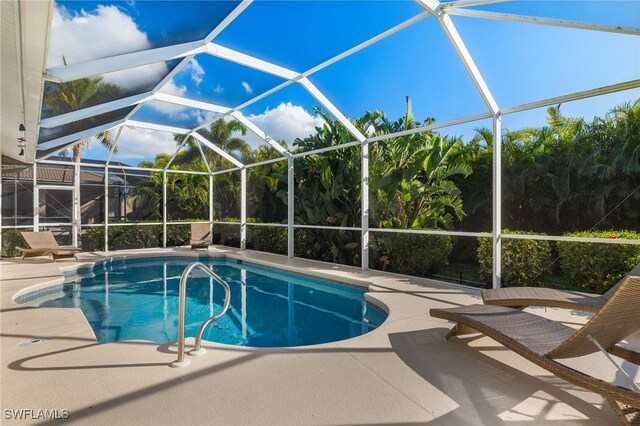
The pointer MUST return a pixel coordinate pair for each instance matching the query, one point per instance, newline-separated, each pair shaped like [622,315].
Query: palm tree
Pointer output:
[77,94]
[220,133]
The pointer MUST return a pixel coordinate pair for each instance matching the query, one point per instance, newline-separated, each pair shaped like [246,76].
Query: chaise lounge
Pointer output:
[521,297]
[543,341]
[200,235]
[44,243]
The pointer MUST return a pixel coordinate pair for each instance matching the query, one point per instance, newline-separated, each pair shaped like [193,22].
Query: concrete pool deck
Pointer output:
[404,372]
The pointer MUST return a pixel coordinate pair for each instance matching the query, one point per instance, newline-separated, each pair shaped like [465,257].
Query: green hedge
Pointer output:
[524,262]
[596,267]
[133,236]
[123,237]
[272,239]
[411,254]
[227,234]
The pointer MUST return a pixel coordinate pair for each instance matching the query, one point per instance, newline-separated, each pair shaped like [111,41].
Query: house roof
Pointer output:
[53,173]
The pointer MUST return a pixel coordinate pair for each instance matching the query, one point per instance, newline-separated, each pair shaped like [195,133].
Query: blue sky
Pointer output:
[520,62]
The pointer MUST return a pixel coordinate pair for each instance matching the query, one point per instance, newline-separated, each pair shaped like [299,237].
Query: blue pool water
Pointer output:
[138,300]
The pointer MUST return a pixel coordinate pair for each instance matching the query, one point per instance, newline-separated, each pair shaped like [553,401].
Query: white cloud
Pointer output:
[218,88]
[108,31]
[197,72]
[247,87]
[171,88]
[136,145]
[170,110]
[180,112]
[285,122]
[205,116]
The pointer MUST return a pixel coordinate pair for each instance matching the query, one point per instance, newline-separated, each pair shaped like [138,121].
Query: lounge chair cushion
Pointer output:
[538,296]
[534,332]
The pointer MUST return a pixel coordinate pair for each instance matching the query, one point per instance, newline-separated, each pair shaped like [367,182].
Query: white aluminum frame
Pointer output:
[187,51]
[257,64]
[290,207]
[364,205]
[497,202]
[553,22]
[243,208]
[106,207]
[164,208]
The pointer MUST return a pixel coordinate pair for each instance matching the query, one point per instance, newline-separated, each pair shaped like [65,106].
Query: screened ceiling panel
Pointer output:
[219,81]
[135,146]
[49,134]
[86,30]
[520,63]
[613,12]
[168,114]
[286,116]
[418,62]
[60,98]
[300,35]
[532,62]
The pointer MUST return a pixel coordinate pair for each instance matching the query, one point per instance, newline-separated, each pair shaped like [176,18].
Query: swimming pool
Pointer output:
[137,299]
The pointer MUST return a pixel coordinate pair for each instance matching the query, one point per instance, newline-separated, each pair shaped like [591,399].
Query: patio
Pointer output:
[401,373]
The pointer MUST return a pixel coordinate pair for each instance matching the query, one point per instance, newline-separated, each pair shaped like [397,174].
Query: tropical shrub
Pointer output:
[596,267]
[411,254]
[93,238]
[328,245]
[10,239]
[524,262]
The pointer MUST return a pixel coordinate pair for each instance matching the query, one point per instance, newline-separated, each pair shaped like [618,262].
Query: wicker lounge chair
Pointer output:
[200,235]
[43,243]
[521,297]
[543,341]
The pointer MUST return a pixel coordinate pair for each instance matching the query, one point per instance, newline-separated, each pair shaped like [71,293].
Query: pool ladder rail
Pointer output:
[198,349]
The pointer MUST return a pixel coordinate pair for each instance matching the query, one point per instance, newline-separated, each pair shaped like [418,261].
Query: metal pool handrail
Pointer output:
[181,361]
